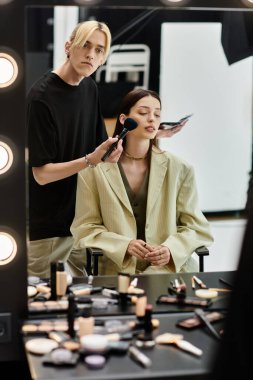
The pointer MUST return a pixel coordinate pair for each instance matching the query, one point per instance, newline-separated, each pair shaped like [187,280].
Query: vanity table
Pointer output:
[168,361]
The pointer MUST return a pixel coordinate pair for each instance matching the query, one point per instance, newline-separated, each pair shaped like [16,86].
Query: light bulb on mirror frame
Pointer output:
[174,2]
[6,157]
[8,248]
[8,70]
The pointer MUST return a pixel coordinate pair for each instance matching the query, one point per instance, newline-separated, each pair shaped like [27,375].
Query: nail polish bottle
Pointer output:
[61,279]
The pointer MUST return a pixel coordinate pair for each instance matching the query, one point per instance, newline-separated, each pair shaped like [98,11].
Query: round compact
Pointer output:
[206,293]
[95,361]
[94,343]
[41,346]
[61,355]
[31,290]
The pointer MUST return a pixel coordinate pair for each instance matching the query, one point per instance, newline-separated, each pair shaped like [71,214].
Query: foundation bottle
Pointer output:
[61,279]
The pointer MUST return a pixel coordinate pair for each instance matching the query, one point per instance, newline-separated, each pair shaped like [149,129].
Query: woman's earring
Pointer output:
[67,54]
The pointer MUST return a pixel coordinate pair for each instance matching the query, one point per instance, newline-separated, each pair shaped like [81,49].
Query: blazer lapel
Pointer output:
[157,173]
[113,176]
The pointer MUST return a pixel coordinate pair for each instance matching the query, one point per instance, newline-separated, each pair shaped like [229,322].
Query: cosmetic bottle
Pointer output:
[61,279]
[140,307]
[123,285]
[145,339]
[86,323]
[53,268]
[71,315]
[123,282]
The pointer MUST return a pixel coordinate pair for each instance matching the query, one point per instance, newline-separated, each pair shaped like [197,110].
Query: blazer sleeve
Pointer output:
[193,229]
[88,229]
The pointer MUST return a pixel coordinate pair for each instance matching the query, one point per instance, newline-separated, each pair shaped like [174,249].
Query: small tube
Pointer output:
[139,357]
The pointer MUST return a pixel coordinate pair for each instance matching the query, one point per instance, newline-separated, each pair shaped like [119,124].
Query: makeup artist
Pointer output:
[142,211]
[65,126]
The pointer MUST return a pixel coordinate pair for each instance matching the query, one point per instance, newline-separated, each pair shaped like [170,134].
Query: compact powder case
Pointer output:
[41,346]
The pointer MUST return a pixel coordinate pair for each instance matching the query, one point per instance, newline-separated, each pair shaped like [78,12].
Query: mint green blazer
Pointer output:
[104,217]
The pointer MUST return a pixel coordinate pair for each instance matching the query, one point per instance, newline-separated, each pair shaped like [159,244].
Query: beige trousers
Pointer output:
[42,252]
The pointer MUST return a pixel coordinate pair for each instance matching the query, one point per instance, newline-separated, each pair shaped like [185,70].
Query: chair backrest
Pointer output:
[127,58]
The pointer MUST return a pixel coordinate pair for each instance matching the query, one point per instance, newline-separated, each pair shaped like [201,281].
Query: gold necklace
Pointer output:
[134,158]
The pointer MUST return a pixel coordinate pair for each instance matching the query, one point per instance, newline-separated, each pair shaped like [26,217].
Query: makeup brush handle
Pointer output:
[187,346]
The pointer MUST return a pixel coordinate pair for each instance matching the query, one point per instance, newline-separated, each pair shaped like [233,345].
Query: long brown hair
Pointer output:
[130,99]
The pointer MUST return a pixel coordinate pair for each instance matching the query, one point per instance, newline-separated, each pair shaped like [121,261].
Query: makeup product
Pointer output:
[194,321]
[187,301]
[95,361]
[201,315]
[206,293]
[33,280]
[43,289]
[178,340]
[225,282]
[123,285]
[61,279]
[199,282]
[53,268]
[87,291]
[134,282]
[123,282]
[118,347]
[110,293]
[31,291]
[86,325]
[148,327]
[71,315]
[139,357]
[145,339]
[133,290]
[61,357]
[94,343]
[140,307]
[58,336]
[40,346]
[42,297]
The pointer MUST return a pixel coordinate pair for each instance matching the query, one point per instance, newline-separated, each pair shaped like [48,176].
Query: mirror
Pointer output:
[214,135]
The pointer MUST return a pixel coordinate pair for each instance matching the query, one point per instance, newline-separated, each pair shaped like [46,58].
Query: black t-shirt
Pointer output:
[64,123]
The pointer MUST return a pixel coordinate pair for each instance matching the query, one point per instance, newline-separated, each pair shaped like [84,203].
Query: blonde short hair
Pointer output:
[83,31]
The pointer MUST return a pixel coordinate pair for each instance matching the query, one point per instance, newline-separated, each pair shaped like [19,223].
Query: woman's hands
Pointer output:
[157,255]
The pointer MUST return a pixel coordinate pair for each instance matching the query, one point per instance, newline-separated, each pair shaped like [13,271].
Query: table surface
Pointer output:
[154,286]
[168,362]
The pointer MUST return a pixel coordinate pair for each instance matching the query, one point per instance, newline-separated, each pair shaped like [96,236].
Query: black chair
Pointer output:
[93,255]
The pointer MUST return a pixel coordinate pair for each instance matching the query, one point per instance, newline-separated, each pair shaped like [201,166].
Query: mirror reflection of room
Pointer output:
[190,80]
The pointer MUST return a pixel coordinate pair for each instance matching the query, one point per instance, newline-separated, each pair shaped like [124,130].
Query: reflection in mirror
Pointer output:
[197,64]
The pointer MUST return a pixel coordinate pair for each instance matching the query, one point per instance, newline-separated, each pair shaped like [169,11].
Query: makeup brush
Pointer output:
[201,315]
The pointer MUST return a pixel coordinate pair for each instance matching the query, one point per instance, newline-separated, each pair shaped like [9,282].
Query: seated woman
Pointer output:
[143,211]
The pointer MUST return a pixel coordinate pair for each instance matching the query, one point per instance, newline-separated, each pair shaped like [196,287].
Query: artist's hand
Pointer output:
[159,255]
[161,133]
[98,153]
[138,248]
